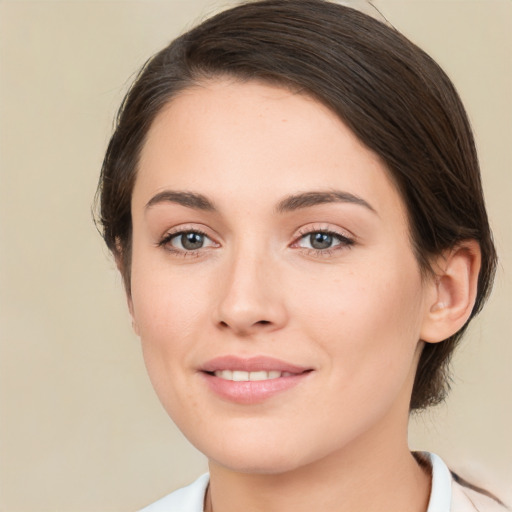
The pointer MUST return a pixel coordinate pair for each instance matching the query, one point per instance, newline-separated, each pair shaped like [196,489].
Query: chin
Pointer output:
[247,450]
[259,454]
[263,463]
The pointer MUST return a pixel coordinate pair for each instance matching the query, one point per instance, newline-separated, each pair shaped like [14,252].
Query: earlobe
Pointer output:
[121,267]
[135,326]
[454,290]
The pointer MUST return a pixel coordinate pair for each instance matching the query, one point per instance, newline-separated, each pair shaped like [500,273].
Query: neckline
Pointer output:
[441,486]
[440,491]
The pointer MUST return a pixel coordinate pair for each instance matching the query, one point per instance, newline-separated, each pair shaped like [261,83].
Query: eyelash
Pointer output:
[165,242]
[344,242]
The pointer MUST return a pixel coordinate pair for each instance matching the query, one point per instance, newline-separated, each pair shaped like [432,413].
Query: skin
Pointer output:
[352,313]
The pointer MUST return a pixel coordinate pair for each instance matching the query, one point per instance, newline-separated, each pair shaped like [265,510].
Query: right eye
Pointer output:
[187,241]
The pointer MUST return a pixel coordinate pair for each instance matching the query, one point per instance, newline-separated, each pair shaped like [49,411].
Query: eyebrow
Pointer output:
[308,199]
[288,204]
[188,199]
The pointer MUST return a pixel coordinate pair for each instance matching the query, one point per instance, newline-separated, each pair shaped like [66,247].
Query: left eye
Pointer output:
[321,240]
[189,241]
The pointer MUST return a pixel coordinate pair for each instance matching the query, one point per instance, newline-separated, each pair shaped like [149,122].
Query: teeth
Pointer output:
[258,376]
[241,376]
[225,374]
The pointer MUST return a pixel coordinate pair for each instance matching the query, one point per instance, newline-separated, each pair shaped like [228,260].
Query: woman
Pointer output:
[292,196]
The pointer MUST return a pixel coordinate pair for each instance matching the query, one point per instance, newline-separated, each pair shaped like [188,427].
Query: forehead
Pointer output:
[258,138]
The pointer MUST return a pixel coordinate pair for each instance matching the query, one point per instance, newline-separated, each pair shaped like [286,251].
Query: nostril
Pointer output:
[263,322]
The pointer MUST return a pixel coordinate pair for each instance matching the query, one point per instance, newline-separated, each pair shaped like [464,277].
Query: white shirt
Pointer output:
[445,496]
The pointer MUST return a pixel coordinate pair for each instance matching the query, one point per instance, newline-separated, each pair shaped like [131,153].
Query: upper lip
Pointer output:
[251,364]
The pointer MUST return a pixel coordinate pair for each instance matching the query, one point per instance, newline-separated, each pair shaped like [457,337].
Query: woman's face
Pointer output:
[274,286]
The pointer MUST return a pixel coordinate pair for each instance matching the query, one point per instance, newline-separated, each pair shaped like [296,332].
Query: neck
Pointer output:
[376,473]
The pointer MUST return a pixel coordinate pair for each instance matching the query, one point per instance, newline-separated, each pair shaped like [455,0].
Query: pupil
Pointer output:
[321,240]
[192,241]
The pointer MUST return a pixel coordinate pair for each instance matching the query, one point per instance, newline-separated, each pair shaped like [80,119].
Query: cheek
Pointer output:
[167,315]
[368,321]
[167,310]
[166,300]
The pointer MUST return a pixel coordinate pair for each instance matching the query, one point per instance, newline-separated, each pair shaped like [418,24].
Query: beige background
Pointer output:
[80,428]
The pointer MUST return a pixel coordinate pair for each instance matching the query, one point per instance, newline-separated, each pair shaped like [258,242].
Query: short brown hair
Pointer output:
[390,93]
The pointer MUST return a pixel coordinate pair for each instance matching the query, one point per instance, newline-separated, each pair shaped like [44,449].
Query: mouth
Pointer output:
[243,376]
[251,380]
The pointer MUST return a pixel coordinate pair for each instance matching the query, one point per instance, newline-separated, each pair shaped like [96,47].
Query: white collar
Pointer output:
[441,490]
[191,498]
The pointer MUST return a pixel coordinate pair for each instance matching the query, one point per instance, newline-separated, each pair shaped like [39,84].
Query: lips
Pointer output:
[242,376]
[251,380]
[251,364]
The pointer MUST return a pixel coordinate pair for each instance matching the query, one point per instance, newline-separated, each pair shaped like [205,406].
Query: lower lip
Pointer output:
[252,392]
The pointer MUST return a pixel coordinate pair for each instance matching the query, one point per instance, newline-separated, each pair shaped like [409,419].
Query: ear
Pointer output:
[135,326]
[453,291]
[120,266]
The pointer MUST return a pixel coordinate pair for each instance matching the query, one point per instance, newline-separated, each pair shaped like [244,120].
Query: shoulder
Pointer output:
[467,497]
[451,493]
[186,499]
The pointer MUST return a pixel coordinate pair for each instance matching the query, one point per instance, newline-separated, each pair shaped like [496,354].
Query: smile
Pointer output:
[243,376]
[253,380]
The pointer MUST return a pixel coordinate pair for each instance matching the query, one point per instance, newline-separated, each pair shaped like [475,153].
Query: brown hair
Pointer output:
[392,95]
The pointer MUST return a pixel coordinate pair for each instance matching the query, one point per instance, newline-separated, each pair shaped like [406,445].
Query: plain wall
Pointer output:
[80,427]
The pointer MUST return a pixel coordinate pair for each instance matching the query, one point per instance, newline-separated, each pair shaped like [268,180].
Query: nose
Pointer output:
[251,296]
